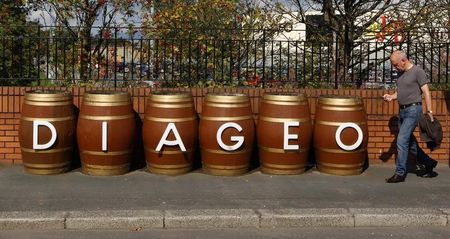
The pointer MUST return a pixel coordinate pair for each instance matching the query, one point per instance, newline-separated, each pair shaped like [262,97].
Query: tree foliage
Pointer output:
[79,17]
[219,35]
[13,41]
[349,24]
[12,17]
[208,18]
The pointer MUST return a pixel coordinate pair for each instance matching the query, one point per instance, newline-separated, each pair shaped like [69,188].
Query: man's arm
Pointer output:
[427,95]
[388,97]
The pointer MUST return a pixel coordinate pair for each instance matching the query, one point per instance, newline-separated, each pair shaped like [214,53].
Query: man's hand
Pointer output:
[431,116]
[388,97]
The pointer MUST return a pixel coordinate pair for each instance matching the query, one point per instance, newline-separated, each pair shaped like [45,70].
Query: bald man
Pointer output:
[411,84]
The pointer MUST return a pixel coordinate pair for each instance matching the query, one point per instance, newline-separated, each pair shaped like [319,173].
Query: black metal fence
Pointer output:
[283,60]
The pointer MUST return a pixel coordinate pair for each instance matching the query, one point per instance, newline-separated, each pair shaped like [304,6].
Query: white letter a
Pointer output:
[177,141]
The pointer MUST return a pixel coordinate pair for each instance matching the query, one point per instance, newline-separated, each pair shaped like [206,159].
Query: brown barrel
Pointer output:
[162,109]
[219,109]
[332,113]
[275,110]
[116,109]
[55,107]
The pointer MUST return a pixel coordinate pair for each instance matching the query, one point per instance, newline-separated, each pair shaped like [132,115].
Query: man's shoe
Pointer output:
[431,174]
[421,170]
[396,179]
[431,166]
[426,171]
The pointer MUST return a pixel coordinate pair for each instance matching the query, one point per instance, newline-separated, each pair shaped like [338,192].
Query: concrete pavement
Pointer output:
[140,200]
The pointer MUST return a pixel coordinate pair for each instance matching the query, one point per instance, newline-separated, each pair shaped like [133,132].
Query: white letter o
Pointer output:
[339,132]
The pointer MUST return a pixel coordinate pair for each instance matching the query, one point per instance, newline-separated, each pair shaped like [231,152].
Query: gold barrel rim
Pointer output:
[104,96]
[170,96]
[340,100]
[104,170]
[284,97]
[223,170]
[226,97]
[47,96]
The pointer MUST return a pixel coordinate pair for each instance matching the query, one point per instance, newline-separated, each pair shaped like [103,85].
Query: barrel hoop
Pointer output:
[335,165]
[109,153]
[331,123]
[226,167]
[281,151]
[340,171]
[236,118]
[90,103]
[56,119]
[271,102]
[99,170]
[170,97]
[100,118]
[168,171]
[170,120]
[283,166]
[48,99]
[106,167]
[226,97]
[171,106]
[219,151]
[168,152]
[340,151]
[218,105]
[282,120]
[341,108]
[47,95]
[171,166]
[59,103]
[284,96]
[106,96]
[46,151]
[339,100]
[282,171]
[46,165]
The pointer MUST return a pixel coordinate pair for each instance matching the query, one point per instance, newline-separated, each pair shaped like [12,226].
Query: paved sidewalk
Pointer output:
[196,200]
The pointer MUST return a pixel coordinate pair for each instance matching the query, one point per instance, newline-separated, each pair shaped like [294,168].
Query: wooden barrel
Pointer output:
[225,121]
[170,133]
[340,135]
[106,132]
[277,111]
[47,131]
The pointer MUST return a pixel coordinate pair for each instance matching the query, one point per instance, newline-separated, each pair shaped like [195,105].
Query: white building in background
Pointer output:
[293,30]
[387,27]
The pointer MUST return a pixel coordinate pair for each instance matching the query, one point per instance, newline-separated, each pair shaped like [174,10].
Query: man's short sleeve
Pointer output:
[422,78]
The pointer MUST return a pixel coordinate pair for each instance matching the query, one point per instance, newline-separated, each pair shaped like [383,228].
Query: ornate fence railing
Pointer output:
[113,59]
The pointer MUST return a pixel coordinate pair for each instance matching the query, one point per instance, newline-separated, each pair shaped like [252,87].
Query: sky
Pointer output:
[48,19]
[44,18]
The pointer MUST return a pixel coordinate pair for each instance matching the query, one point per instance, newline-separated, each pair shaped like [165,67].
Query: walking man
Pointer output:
[411,84]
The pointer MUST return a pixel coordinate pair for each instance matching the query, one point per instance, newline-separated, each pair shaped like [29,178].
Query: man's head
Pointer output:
[400,61]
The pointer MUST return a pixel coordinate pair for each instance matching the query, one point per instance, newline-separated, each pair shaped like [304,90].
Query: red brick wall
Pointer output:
[379,115]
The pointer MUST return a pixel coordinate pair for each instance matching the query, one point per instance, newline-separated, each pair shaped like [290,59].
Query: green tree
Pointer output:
[348,21]
[211,38]
[14,41]
[81,17]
